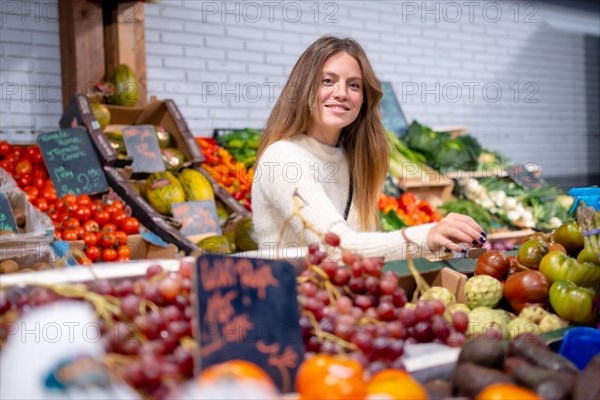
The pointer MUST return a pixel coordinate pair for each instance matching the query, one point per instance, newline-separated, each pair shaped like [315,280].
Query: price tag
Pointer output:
[72,162]
[142,146]
[198,219]
[7,220]
[247,309]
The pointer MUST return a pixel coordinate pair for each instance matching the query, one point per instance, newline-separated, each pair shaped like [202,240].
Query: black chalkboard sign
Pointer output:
[142,146]
[198,218]
[391,113]
[247,310]
[72,162]
[521,175]
[7,220]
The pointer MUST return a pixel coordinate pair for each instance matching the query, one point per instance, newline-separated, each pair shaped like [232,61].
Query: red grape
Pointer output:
[441,330]
[342,276]
[308,289]
[407,317]
[330,267]
[385,311]
[130,305]
[153,270]
[423,332]
[424,311]
[438,306]
[363,341]
[372,285]
[357,285]
[170,286]
[349,258]
[388,286]
[363,302]
[397,330]
[399,296]
[344,304]
[460,321]
[332,239]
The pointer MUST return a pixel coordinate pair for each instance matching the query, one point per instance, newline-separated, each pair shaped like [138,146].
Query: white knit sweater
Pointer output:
[320,175]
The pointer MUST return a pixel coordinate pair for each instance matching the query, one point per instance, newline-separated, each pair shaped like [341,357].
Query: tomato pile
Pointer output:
[102,225]
[408,208]
[229,173]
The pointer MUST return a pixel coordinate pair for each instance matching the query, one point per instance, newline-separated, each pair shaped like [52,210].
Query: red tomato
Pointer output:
[38,181]
[69,235]
[89,238]
[83,213]
[109,255]
[31,192]
[97,205]
[5,149]
[71,199]
[91,226]
[49,194]
[118,204]
[58,233]
[24,166]
[107,239]
[54,214]
[121,238]
[35,155]
[118,217]
[131,226]
[25,179]
[84,200]
[71,223]
[7,165]
[123,253]
[110,227]
[80,232]
[93,253]
[102,217]
[41,204]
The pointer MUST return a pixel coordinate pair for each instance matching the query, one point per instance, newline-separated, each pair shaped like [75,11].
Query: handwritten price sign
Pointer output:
[72,162]
[248,310]
[142,146]
[7,220]
[198,218]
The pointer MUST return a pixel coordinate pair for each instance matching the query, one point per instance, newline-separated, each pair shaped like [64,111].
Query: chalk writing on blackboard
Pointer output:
[142,146]
[198,218]
[72,163]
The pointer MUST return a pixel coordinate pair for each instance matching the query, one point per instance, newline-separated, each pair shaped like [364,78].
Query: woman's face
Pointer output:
[340,98]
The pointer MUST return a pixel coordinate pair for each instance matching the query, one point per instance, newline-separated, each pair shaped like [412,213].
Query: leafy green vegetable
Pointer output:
[422,138]
[482,216]
[460,154]
[390,221]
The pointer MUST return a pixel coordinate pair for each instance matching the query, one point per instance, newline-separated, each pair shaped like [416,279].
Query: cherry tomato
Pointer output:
[35,155]
[131,226]
[49,194]
[83,213]
[18,152]
[41,204]
[107,240]
[109,255]
[110,227]
[97,205]
[25,179]
[80,232]
[121,238]
[84,200]
[102,217]
[54,214]
[38,181]
[91,226]
[90,239]
[71,223]
[93,253]
[118,204]
[69,235]
[5,149]
[31,192]
[123,253]
[24,166]
[71,199]
[58,233]
[7,165]
[118,217]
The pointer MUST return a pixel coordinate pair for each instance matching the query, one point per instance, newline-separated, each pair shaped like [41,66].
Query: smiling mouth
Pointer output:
[337,107]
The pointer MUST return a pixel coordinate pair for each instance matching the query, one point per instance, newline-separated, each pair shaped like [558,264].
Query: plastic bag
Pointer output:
[34,245]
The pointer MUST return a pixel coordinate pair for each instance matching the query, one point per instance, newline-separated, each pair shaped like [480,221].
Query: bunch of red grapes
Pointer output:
[354,307]
[151,332]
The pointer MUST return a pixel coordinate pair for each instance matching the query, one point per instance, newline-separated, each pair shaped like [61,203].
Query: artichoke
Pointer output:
[483,319]
[439,293]
[483,290]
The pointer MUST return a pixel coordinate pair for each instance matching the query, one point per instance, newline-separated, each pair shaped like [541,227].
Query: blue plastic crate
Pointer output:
[580,345]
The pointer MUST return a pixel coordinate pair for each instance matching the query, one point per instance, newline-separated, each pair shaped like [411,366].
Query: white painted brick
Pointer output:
[170,11]
[265,68]
[161,24]
[244,32]
[14,36]
[189,39]
[246,56]
[263,46]
[30,24]
[165,74]
[206,76]
[281,59]
[164,49]
[184,63]
[152,36]
[204,28]
[226,43]
[228,66]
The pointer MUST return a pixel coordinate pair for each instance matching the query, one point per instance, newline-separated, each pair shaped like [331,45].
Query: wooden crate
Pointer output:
[430,186]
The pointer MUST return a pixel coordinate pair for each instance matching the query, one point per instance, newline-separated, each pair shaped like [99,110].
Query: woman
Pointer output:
[324,144]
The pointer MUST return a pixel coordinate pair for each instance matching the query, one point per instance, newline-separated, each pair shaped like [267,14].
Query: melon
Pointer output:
[195,185]
[162,190]
[172,158]
[101,113]
[126,87]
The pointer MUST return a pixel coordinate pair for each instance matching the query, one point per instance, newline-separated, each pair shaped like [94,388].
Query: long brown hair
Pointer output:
[364,141]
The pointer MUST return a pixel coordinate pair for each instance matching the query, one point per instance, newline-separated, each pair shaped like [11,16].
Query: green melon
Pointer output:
[126,87]
[162,190]
[245,239]
[215,245]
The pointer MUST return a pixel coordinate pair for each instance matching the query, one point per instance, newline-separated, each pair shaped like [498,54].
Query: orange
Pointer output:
[327,377]
[506,391]
[395,384]
[236,370]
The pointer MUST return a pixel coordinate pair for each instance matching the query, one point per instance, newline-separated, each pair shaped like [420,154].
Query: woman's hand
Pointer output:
[455,228]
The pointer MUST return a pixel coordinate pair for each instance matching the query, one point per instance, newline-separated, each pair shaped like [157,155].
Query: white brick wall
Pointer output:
[224,63]
[30,94]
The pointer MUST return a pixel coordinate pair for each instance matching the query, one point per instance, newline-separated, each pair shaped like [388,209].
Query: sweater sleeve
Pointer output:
[283,173]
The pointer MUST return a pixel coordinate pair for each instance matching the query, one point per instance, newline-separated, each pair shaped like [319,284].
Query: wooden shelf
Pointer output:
[95,37]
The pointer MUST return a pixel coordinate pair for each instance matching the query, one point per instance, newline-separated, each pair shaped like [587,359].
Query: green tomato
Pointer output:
[572,302]
[556,265]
